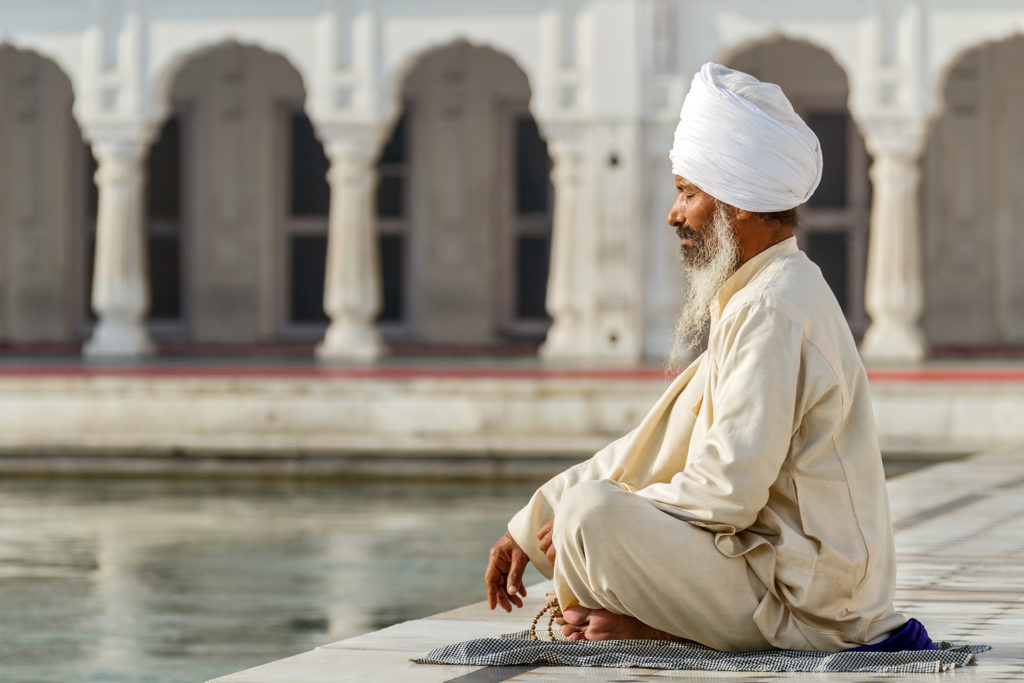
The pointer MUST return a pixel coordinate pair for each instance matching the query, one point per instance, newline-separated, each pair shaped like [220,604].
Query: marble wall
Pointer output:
[914,87]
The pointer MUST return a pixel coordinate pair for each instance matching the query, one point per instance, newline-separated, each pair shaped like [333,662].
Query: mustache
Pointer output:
[685,232]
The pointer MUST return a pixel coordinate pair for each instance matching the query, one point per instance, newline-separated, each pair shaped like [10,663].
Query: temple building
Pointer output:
[369,173]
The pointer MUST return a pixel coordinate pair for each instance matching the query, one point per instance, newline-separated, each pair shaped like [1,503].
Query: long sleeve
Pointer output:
[541,508]
[654,451]
[750,402]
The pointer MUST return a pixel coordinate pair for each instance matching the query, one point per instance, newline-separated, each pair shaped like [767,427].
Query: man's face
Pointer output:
[692,215]
[711,253]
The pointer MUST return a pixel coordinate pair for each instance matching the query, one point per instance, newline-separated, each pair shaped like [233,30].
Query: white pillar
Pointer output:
[567,339]
[894,288]
[352,284]
[120,286]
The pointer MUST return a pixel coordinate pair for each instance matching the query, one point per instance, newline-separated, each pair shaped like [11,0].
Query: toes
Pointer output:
[605,625]
[604,621]
[577,616]
[568,629]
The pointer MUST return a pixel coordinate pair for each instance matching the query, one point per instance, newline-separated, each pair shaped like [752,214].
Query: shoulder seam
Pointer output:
[759,302]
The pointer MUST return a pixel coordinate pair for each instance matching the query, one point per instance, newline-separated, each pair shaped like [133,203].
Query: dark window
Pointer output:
[164,277]
[394,150]
[91,207]
[391,187]
[309,262]
[390,196]
[532,256]
[830,250]
[830,127]
[533,167]
[163,215]
[92,193]
[90,267]
[391,190]
[311,194]
[163,180]
[392,270]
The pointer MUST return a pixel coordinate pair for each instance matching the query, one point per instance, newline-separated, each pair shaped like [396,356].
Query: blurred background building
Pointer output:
[365,173]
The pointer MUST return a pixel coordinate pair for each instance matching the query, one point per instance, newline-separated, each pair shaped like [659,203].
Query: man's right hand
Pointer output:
[504,576]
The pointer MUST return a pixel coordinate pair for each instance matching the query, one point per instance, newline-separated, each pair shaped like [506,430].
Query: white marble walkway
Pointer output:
[960,541]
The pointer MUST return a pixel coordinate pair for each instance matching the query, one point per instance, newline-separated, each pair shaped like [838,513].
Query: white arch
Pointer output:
[948,56]
[793,33]
[394,78]
[165,70]
[47,56]
[394,75]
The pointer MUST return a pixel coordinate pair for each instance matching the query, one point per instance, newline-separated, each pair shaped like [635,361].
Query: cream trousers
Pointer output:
[615,550]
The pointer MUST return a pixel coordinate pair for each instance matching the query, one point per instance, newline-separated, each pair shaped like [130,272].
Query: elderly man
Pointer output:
[748,509]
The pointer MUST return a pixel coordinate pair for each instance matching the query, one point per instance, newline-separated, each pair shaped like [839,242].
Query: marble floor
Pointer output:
[960,543]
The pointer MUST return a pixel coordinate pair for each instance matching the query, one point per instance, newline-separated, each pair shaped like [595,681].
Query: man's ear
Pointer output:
[742,215]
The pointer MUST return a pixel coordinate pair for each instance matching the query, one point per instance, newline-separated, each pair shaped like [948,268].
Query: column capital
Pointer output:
[895,135]
[118,140]
[352,140]
[565,138]
[566,162]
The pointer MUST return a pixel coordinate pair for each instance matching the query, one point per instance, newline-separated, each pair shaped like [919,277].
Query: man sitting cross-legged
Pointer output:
[748,509]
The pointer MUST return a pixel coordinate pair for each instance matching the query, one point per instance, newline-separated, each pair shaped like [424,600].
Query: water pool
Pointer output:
[185,580]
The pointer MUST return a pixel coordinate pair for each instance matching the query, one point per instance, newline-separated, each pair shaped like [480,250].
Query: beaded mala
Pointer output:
[552,607]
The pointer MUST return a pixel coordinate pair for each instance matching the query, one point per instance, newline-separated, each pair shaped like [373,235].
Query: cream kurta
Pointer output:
[766,441]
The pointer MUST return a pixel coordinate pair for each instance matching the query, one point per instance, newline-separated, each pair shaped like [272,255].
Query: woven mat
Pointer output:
[512,650]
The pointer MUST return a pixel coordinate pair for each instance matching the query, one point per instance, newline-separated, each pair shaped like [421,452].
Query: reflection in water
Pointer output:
[185,580]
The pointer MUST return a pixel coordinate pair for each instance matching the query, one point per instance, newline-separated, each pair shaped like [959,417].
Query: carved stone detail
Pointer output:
[352,285]
[566,303]
[894,296]
[120,290]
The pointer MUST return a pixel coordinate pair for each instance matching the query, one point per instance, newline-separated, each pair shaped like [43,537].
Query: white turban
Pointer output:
[740,141]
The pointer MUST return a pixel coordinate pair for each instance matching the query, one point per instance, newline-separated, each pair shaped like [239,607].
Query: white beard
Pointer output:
[706,268]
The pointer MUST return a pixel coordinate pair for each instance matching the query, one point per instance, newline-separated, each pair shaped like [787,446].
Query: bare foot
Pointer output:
[565,627]
[580,623]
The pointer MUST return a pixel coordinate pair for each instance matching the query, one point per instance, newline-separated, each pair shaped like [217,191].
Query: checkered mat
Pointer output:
[513,649]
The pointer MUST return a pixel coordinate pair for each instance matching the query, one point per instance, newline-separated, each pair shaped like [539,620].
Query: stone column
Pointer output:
[894,287]
[352,284]
[120,286]
[567,339]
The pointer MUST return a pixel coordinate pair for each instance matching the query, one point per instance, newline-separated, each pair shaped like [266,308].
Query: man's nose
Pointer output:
[676,217]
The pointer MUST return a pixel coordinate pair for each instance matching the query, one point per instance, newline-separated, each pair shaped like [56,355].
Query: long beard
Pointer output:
[707,266]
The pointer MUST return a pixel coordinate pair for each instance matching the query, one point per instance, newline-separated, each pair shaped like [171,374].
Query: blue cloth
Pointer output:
[911,636]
